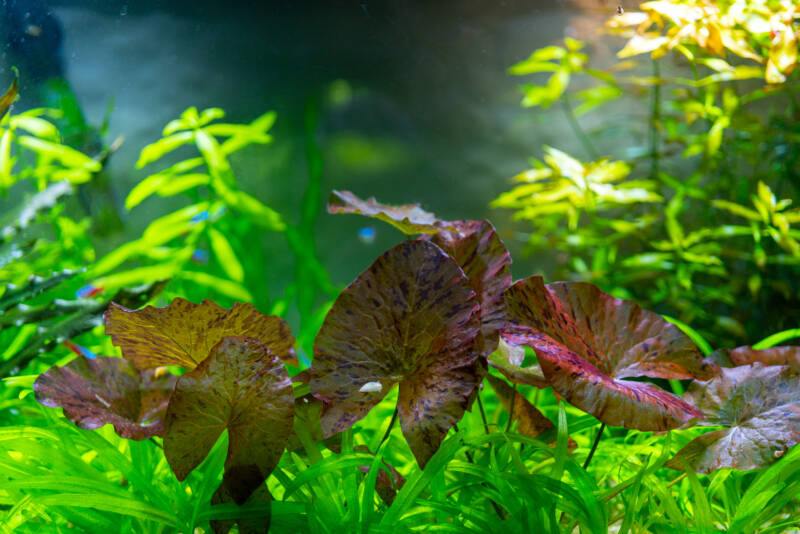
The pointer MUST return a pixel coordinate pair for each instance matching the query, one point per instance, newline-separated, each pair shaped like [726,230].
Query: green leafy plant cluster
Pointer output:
[418,332]
[698,221]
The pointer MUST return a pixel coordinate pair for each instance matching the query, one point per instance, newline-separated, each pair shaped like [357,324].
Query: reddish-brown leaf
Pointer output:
[530,421]
[587,341]
[483,257]
[410,318]
[183,333]
[245,388]
[388,482]
[108,391]
[785,355]
[408,218]
[761,408]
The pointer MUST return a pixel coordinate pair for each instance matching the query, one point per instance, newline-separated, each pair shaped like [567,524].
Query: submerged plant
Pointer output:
[427,316]
[715,134]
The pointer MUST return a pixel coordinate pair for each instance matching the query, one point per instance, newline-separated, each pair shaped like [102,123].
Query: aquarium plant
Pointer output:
[697,220]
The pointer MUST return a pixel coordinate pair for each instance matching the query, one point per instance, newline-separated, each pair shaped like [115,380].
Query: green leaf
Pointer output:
[777,338]
[241,387]
[736,209]
[250,206]
[165,145]
[66,155]
[35,125]
[225,255]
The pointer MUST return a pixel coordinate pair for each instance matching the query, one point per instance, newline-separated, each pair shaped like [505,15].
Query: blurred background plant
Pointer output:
[55,289]
[696,222]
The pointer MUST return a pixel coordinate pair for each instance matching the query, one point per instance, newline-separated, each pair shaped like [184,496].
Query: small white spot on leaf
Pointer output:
[370,387]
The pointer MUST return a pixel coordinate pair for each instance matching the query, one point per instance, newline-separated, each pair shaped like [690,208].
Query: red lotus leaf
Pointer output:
[183,333]
[108,391]
[241,386]
[410,318]
[784,355]
[587,341]
[408,218]
[530,421]
[483,257]
[761,408]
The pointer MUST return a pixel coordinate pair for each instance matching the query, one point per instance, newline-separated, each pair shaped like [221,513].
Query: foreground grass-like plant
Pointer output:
[426,317]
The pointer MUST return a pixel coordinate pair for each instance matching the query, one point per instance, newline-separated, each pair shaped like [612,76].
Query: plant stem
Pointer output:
[388,429]
[655,122]
[594,445]
[576,127]
[511,410]
[483,414]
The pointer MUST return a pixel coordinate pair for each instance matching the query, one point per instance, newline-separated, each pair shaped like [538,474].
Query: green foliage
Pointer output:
[698,222]
[412,320]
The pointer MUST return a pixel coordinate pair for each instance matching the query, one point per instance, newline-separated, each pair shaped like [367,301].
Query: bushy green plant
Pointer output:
[698,222]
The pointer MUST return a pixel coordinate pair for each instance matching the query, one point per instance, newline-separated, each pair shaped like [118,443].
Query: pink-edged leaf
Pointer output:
[408,218]
[484,258]
[108,391]
[245,388]
[408,316]
[587,342]
[530,421]
[760,406]
[183,333]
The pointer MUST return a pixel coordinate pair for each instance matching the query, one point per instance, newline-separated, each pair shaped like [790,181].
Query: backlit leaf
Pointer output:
[587,342]
[410,318]
[759,405]
[408,218]
[241,387]
[183,333]
[508,359]
[108,391]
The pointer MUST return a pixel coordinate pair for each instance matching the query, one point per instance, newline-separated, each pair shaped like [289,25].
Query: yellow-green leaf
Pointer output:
[225,255]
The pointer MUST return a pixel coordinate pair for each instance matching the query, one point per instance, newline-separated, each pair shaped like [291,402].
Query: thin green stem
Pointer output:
[594,445]
[483,414]
[576,127]
[388,429]
[655,123]
[511,410]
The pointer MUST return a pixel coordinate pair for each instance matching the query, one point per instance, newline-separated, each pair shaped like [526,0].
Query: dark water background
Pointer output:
[426,111]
